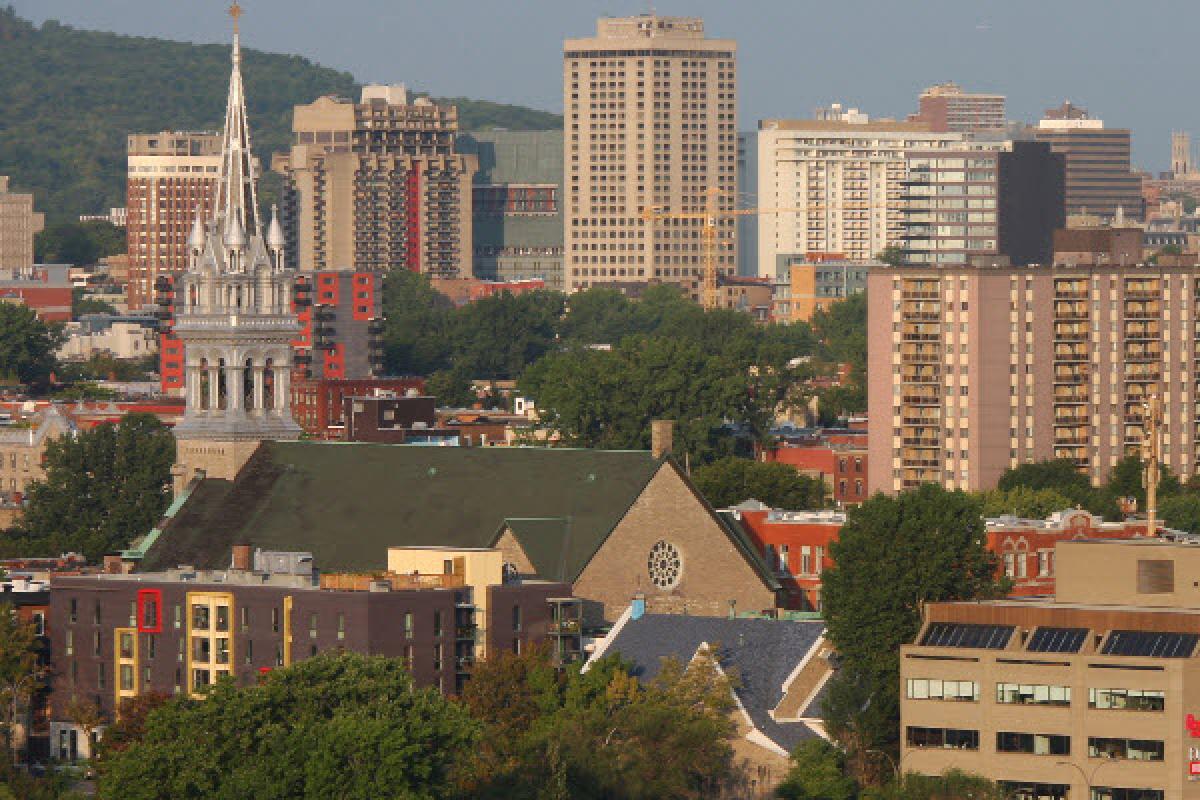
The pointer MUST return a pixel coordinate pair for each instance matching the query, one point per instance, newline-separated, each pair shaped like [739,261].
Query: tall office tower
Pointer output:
[845,174]
[18,223]
[1181,154]
[517,205]
[983,203]
[650,122]
[1100,178]
[747,192]
[171,175]
[946,107]
[978,369]
[377,185]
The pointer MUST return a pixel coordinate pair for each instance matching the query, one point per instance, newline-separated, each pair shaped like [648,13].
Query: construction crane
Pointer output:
[709,216]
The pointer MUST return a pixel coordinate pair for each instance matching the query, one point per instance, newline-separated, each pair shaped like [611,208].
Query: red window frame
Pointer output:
[142,596]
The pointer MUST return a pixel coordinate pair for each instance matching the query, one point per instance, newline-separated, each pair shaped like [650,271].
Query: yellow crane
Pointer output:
[709,215]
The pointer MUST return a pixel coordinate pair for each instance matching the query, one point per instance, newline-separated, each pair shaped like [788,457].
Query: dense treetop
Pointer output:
[70,98]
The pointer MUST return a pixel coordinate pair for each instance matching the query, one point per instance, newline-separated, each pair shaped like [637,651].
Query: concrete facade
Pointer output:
[18,223]
[650,116]
[946,107]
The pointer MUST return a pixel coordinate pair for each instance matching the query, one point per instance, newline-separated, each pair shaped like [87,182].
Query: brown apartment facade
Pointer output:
[946,107]
[1100,177]
[377,185]
[650,122]
[978,369]
[1092,694]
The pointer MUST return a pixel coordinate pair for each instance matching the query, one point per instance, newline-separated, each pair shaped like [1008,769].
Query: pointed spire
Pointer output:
[236,191]
[235,234]
[196,238]
[275,239]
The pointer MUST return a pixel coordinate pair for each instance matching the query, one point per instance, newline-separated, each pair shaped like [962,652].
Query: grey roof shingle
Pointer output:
[762,652]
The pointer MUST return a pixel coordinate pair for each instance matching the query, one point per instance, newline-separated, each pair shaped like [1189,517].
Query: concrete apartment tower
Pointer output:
[171,176]
[650,121]
[946,107]
[18,223]
[377,185]
[234,316]
[1181,154]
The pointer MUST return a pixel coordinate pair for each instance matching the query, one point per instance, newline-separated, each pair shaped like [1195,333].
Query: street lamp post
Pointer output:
[1087,779]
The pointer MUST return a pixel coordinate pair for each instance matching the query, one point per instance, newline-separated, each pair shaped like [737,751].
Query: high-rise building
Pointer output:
[1181,154]
[18,223]
[1100,178]
[233,316]
[978,369]
[983,202]
[946,107]
[377,185]
[650,121]
[846,176]
[171,176]
[516,206]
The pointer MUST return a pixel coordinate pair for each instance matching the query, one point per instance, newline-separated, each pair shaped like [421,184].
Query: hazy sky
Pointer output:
[1132,64]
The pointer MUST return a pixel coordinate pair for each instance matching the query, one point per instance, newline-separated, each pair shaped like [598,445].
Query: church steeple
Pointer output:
[236,194]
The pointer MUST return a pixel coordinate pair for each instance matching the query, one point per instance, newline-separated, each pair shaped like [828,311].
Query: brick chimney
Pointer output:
[662,434]
[242,557]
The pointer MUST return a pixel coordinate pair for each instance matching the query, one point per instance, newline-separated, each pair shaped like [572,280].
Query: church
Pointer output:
[618,526]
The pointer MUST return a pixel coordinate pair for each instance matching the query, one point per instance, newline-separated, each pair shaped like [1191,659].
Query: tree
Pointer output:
[452,387]
[82,304]
[953,784]
[818,772]
[21,673]
[894,555]
[78,243]
[892,256]
[27,345]
[102,488]
[129,726]
[733,480]
[416,330]
[1021,501]
[87,716]
[336,725]
[1181,511]
[1059,474]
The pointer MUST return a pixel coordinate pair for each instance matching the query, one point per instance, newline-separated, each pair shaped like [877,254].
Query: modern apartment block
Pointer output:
[977,369]
[115,636]
[171,175]
[18,223]
[341,319]
[377,185]
[983,202]
[1091,694]
[1099,176]
[841,182]
[806,284]
[516,206]
[650,122]
[946,107]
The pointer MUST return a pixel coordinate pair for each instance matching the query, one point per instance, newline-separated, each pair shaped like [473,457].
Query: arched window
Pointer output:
[222,388]
[193,296]
[205,384]
[269,383]
[248,385]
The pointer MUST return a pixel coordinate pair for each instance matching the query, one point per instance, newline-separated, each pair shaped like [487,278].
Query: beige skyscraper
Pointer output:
[650,121]
[18,223]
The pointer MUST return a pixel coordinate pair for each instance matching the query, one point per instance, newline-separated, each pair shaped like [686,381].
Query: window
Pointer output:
[74,614]
[146,676]
[126,678]
[222,618]
[934,689]
[1033,694]
[201,649]
[1038,744]
[516,618]
[223,650]
[437,623]
[1131,749]
[178,617]
[200,618]
[1109,793]
[341,626]
[1127,699]
[39,623]
[245,612]
[100,677]
[437,656]
[133,613]
[201,677]
[275,620]
[248,650]
[944,738]
[312,625]
[96,644]
[95,613]
[1019,790]
[126,644]
[70,642]
[408,626]
[783,558]
[806,560]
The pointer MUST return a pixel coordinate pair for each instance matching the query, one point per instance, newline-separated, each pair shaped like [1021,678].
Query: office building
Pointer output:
[946,107]
[747,192]
[1090,694]
[975,370]
[377,185]
[18,223]
[516,205]
[983,203]
[1099,176]
[116,636]
[650,122]
[839,182]
[171,176]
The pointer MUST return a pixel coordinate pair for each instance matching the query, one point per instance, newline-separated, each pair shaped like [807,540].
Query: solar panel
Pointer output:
[966,634]
[1150,643]
[1057,640]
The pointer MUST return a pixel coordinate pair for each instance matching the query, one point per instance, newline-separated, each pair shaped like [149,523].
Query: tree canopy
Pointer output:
[344,725]
[103,487]
[79,243]
[733,480]
[27,345]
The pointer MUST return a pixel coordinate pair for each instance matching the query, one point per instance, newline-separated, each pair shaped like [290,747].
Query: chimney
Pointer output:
[112,565]
[241,557]
[662,432]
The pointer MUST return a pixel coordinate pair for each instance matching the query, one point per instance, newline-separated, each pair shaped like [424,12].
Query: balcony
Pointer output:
[1070,311]
[922,399]
[1072,419]
[1068,353]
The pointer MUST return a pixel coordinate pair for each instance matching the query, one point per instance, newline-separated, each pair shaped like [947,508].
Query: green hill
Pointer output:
[68,98]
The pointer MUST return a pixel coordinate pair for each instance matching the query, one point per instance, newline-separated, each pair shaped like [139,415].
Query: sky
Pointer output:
[1130,64]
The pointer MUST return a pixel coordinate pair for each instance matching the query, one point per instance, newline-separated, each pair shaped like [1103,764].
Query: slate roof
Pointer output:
[762,652]
[348,502]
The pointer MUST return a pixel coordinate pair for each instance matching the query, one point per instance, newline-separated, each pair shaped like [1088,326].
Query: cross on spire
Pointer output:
[235,11]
